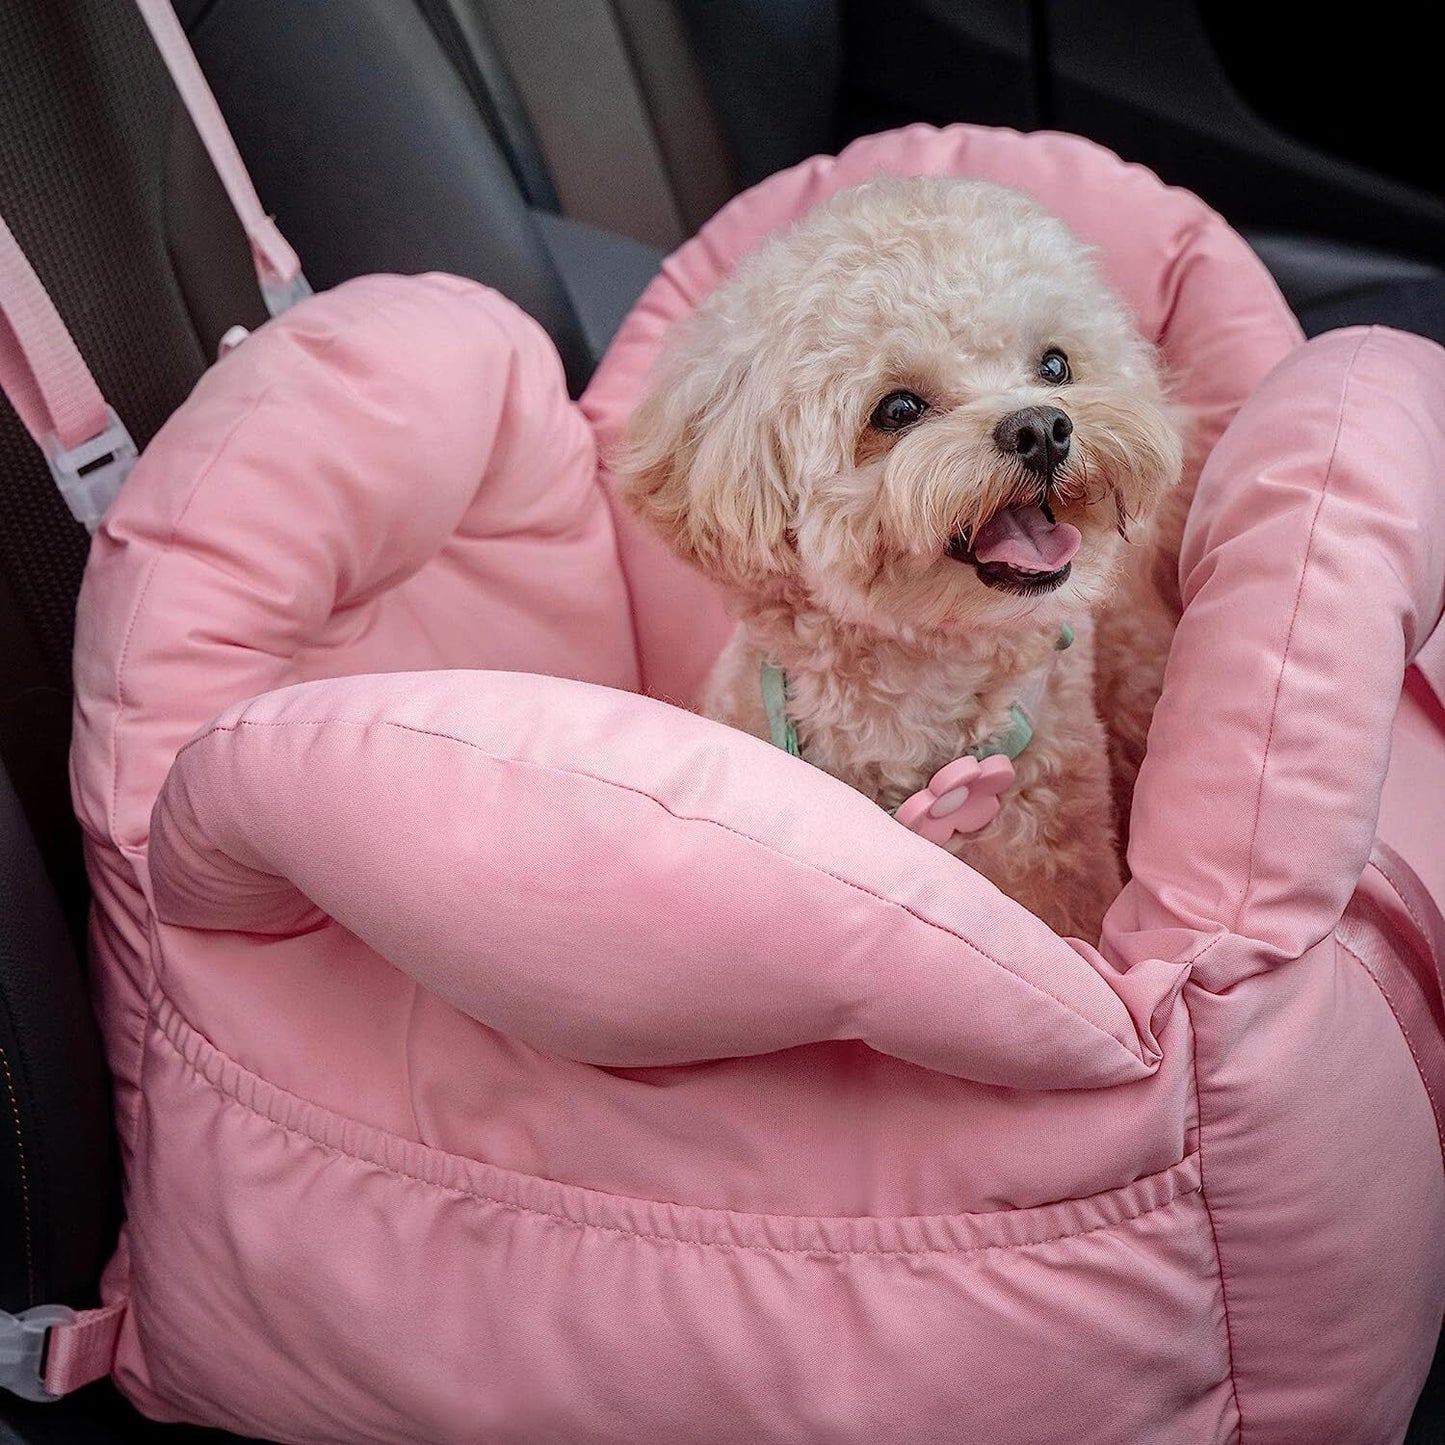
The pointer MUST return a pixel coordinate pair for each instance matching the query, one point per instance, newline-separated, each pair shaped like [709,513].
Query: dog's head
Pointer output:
[920,408]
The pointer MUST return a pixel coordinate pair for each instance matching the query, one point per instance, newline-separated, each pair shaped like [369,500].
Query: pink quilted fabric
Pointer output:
[505,1055]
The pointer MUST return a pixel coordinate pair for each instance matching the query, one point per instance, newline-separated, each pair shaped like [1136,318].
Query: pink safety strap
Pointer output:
[277,268]
[88,450]
[41,370]
[1395,929]
[1430,663]
[82,1351]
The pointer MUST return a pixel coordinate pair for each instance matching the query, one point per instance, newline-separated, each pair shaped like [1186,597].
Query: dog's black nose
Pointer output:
[1038,436]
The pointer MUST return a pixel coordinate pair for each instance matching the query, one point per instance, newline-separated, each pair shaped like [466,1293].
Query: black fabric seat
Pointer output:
[633,117]
[369,142]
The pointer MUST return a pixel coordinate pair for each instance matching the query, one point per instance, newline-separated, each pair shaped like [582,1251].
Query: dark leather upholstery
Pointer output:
[366,144]
[463,30]
[773,70]
[55,1124]
[603,274]
[1334,283]
[615,101]
[1417,306]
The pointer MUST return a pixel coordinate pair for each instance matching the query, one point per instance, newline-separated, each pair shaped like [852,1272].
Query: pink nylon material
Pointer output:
[41,370]
[512,1057]
[1395,930]
[275,259]
[82,1352]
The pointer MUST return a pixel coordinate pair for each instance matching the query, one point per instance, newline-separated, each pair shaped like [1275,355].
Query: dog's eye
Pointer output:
[1054,367]
[897,410]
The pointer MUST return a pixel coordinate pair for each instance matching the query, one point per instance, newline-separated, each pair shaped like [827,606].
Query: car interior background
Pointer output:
[555,150]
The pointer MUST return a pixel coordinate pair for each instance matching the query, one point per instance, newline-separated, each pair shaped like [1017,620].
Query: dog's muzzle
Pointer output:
[1038,437]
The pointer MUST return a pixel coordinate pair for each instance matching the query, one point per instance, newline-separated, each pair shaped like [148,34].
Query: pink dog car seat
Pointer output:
[506,1054]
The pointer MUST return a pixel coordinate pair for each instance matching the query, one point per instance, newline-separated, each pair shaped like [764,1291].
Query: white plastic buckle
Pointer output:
[281,295]
[22,1349]
[90,474]
[234,336]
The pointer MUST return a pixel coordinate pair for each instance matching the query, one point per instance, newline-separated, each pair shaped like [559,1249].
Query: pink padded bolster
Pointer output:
[611,879]
[359,483]
[1313,570]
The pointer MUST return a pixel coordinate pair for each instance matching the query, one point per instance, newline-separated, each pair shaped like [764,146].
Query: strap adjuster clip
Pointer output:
[90,474]
[22,1349]
[281,295]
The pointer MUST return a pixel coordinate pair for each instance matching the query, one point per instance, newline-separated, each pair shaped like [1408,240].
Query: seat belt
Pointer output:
[86,445]
[278,270]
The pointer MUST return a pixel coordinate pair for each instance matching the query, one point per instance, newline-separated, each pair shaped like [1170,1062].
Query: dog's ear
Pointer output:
[704,464]
[1152,459]
[1136,432]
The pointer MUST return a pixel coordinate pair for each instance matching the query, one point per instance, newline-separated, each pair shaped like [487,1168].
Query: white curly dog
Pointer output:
[914,437]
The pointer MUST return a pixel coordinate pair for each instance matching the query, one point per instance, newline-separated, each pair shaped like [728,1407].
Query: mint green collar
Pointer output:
[775,699]
[1009,743]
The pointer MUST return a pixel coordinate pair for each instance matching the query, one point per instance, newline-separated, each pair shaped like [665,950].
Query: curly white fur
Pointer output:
[753,456]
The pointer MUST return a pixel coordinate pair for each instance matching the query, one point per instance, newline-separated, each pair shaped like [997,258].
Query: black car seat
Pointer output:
[379,151]
[554,149]
[635,117]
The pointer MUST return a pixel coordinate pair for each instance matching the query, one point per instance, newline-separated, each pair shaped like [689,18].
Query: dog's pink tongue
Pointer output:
[1023,537]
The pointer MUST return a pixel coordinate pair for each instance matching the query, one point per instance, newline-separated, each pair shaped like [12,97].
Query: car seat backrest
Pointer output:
[615,102]
[774,72]
[639,117]
[370,150]
[648,114]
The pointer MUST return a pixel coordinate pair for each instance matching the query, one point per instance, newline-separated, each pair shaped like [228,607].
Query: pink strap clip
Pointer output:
[42,372]
[961,797]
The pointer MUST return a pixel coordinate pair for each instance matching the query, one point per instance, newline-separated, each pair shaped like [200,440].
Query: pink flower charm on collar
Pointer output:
[961,797]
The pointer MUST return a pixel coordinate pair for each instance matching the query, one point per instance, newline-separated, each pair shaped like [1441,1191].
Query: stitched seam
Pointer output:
[1289,634]
[1409,1042]
[681,817]
[24,1176]
[1214,1230]
[1195,959]
[482,1197]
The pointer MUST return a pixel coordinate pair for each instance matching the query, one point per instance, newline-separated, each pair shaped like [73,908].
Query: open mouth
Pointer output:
[1021,549]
